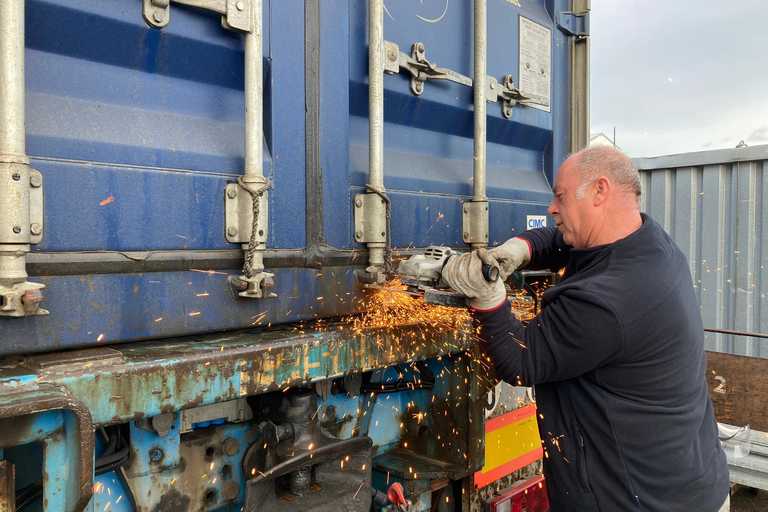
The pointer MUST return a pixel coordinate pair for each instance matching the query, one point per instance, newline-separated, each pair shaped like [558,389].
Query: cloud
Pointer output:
[759,135]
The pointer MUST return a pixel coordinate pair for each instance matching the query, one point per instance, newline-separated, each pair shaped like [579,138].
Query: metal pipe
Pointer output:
[376,250]
[12,127]
[253,98]
[480,87]
[738,333]
[17,296]
[475,220]
[254,283]
[580,83]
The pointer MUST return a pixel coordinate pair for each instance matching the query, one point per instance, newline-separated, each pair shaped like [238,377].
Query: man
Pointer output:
[617,353]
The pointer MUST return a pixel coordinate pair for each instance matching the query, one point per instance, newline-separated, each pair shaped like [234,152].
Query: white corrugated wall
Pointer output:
[713,204]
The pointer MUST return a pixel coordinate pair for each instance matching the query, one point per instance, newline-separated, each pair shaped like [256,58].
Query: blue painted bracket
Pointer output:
[46,413]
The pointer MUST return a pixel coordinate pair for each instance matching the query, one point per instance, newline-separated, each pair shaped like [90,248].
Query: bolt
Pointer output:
[231,192]
[35,228]
[156,454]
[240,6]
[159,15]
[35,180]
[16,229]
[16,176]
[231,446]
[231,231]
[358,202]
[230,491]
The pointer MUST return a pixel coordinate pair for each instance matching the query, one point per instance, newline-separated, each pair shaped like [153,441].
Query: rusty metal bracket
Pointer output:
[35,399]
[235,14]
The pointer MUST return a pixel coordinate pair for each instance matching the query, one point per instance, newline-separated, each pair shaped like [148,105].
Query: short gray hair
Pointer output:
[608,161]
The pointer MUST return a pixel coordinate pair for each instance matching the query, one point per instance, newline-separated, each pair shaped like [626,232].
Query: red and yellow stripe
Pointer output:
[511,442]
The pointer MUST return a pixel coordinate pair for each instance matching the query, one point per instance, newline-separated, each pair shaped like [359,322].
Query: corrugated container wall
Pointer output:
[138,134]
[712,204]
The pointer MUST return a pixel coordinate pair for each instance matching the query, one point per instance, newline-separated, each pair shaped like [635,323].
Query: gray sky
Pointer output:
[679,75]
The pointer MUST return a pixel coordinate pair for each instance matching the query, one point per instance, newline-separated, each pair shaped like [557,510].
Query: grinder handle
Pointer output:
[490,273]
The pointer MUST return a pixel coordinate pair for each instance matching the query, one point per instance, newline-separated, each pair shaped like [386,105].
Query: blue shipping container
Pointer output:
[137,132]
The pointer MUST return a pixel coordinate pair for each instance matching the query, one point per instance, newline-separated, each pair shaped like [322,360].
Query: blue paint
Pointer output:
[138,130]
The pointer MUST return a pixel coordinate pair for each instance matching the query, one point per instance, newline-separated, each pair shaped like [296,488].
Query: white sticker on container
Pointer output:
[535,63]
[535,221]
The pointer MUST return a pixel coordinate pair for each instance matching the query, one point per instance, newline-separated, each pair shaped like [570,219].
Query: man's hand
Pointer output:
[464,274]
[509,256]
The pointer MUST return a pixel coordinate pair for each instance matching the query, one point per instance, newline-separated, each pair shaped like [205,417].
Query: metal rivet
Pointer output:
[16,229]
[358,202]
[261,232]
[35,180]
[159,15]
[358,234]
[240,6]
[35,228]
[231,446]
[466,235]
[231,192]
[231,231]
[392,54]
[16,176]
[383,233]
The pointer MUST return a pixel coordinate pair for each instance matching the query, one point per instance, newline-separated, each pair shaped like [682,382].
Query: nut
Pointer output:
[231,192]
[35,228]
[159,15]
[358,202]
[35,180]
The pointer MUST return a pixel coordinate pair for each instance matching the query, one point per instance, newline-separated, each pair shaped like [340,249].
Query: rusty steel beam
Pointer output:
[144,379]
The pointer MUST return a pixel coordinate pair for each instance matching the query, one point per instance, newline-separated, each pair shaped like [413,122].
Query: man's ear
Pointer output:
[603,188]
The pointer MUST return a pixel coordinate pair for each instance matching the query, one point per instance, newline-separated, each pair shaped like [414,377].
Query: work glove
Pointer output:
[463,273]
[509,256]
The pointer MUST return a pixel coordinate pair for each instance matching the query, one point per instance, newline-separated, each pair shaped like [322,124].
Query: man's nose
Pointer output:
[552,209]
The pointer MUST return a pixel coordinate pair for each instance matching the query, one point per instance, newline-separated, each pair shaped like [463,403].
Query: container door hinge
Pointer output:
[574,24]
[475,222]
[19,227]
[235,14]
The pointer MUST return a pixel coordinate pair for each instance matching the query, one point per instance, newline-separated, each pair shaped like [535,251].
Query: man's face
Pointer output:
[573,216]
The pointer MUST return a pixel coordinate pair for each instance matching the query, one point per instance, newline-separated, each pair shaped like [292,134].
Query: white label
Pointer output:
[535,221]
[535,62]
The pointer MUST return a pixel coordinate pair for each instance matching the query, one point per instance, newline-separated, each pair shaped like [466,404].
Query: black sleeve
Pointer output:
[548,249]
[571,336]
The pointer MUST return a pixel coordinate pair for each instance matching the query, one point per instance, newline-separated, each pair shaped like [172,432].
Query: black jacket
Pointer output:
[617,360]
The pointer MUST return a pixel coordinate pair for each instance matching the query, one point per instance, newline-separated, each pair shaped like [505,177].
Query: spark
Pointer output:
[107,200]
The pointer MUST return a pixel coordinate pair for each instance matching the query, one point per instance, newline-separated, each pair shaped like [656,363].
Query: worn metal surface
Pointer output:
[150,378]
[749,465]
[45,412]
[712,203]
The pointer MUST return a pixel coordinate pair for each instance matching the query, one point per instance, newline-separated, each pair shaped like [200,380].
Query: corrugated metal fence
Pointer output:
[713,204]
